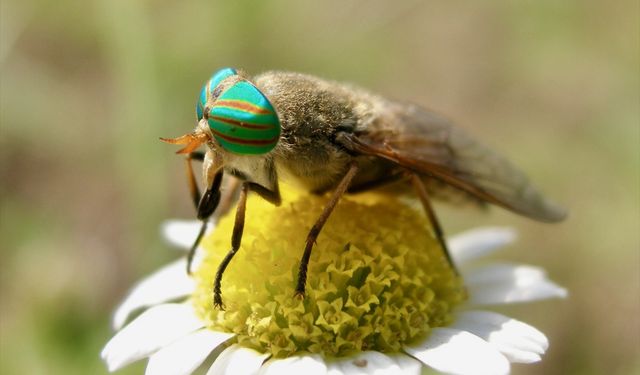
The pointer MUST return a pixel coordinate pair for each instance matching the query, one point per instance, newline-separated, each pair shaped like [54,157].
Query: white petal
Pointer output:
[168,283]
[509,283]
[457,352]
[182,233]
[479,242]
[236,360]
[518,341]
[375,363]
[153,329]
[186,354]
[311,364]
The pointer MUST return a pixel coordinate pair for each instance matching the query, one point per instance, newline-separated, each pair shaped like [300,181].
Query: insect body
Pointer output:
[332,137]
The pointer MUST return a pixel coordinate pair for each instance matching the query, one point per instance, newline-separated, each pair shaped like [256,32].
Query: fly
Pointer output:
[337,138]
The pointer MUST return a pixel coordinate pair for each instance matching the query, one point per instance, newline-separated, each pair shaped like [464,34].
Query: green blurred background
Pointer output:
[87,87]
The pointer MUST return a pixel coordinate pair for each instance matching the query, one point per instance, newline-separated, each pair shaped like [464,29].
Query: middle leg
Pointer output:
[317,227]
[236,239]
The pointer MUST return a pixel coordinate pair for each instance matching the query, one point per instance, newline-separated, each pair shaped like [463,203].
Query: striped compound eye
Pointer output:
[208,88]
[243,120]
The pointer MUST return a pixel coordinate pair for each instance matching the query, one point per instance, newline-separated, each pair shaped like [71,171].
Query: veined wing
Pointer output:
[429,145]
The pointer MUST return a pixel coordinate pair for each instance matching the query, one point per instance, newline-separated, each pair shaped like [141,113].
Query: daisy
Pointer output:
[381,301]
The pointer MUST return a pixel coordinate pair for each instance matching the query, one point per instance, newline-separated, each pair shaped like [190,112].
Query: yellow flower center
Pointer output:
[377,277]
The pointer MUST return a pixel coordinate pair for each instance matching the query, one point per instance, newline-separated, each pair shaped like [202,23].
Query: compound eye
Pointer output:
[202,101]
[243,121]
[209,87]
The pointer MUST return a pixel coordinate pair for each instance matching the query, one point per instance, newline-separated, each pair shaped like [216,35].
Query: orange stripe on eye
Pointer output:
[252,142]
[243,106]
[242,124]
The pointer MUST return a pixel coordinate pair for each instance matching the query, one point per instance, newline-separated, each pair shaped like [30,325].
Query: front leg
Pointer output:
[191,178]
[207,204]
[317,227]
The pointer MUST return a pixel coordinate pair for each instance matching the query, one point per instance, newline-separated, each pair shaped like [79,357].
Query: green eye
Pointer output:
[243,120]
[208,88]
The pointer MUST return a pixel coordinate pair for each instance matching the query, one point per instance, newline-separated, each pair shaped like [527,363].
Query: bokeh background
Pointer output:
[87,87]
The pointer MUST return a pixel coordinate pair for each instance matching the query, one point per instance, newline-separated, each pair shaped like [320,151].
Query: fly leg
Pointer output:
[207,203]
[191,178]
[194,191]
[236,239]
[421,190]
[317,227]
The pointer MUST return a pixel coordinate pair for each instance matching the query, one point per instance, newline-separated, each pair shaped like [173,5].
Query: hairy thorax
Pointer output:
[312,112]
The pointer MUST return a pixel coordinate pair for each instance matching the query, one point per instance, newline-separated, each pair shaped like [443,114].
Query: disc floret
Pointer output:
[377,278]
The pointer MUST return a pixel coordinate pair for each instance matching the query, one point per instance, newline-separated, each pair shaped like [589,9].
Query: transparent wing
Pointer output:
[428,144]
